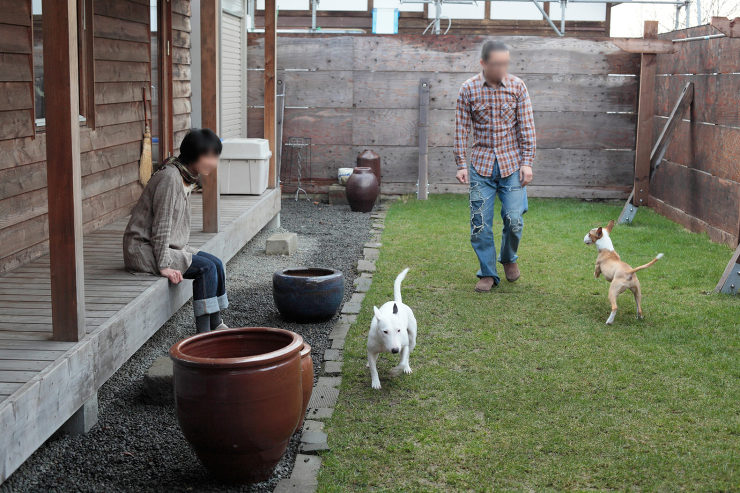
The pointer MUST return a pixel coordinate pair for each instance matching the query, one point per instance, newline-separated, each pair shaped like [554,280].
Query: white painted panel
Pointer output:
[461,11]
[233,105]
[515,10]
[287,4]
[360,5]
[579,11]
[396,4]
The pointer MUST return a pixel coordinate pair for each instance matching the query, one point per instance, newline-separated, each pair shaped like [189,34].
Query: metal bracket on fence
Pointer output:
[729,283]
[629,211]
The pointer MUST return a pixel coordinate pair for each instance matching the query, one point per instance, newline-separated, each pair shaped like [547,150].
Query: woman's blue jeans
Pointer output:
[209,284]
[513,197]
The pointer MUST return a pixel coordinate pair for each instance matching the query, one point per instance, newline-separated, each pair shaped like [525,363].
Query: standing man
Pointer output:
[496,105]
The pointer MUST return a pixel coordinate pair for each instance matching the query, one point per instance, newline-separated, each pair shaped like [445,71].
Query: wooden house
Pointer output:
[75,79]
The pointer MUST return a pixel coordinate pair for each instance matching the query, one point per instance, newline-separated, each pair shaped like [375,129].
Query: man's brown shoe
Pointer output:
[484,285]
[512,271]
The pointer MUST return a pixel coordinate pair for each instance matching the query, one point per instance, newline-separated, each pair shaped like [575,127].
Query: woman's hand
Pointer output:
[175,276]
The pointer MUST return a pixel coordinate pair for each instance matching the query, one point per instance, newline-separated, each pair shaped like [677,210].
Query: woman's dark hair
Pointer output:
[199,142]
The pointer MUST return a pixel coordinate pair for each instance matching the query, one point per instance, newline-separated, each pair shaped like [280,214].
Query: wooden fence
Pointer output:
[698,183]
[348,93]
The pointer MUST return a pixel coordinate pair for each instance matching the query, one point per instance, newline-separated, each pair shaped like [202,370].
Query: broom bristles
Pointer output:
[145,163]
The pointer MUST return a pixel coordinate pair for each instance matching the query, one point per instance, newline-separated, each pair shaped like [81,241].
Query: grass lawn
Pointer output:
[526,387]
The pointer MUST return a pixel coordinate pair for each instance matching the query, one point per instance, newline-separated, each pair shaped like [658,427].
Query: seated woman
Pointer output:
[157,235]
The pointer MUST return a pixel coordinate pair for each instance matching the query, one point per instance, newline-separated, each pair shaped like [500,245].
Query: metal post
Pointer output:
[563,3]
[678,14]
[698,12]
[422,184]
[437,16]
[686,8]
[314,7]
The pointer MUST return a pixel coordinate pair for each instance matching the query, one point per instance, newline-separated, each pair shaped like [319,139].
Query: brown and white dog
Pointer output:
[621,276]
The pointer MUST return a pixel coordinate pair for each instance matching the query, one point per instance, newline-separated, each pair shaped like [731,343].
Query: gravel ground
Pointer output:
[137,445]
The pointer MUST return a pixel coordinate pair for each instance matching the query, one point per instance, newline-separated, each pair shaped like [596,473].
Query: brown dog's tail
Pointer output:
[645,266]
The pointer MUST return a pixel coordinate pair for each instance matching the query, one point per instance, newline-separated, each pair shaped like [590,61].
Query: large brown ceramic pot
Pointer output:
[362,190]
[307,369]
[239,397]
[370,159]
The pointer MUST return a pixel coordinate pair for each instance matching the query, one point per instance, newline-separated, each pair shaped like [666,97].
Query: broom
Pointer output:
[145,163]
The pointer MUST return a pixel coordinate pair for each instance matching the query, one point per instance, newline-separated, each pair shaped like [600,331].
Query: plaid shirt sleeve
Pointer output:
[462,127]
[525,128]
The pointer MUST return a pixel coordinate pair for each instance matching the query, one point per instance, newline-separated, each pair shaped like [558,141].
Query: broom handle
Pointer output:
[143,94]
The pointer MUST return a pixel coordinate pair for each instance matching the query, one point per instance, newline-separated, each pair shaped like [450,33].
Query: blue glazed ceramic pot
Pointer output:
[307,294]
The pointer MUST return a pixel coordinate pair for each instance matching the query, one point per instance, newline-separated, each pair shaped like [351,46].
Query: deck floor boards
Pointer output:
[42,381]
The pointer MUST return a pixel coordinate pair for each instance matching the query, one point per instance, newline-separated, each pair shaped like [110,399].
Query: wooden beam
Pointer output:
[730,28]
[63,169]
[270,86]
[164,49]
[209,101]
[645,111]
[682,104]
[645,45]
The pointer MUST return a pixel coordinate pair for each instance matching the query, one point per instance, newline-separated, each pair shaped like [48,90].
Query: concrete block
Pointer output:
[320,413]
[332,355]
[337,343]
[339,331]
[281,244]
[337,194]
[371,253]
[306,469]
[351,308]
[362,283]
[83,420]
[347,319]
[378,225]
[323,396]
[311,425]
[365,265]
[333,367]
[158,381]
[373,244]
[329,382]
[313,441]
[294,486]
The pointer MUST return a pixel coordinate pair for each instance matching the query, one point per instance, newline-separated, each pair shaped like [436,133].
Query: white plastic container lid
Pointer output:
[246,149]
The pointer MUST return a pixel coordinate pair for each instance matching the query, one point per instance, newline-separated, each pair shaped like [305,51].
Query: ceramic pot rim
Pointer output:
[178,355]
[364,168]
[305,349]
[329,272]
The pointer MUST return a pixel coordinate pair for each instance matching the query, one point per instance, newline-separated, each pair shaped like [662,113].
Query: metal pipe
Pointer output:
[678,14]
[698,38]
[463,2]
[547,17]
[686,8]
[563,4]
[698,12]
[437,16]
[314,6]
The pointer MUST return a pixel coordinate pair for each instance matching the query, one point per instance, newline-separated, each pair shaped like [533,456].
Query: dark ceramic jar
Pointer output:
[362,190]
[307,372]
[308,295]
[239,397]
[370,159]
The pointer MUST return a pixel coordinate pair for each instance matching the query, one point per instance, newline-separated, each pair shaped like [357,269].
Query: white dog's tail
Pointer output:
[397,285]
[645,266]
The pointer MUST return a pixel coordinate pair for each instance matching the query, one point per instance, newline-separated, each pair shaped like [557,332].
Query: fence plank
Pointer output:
[715,97]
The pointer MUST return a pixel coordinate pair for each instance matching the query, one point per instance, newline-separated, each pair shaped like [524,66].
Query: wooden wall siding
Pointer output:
[349,93]
[110,153]
[698,185]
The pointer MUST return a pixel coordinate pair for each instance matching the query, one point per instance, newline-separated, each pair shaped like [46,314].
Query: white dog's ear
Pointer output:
[376,311]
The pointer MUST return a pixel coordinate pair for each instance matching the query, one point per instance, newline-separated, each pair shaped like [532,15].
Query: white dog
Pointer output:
[393,330]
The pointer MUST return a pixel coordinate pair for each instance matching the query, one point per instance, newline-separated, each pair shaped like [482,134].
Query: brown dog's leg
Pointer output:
[638,297]
[614,290]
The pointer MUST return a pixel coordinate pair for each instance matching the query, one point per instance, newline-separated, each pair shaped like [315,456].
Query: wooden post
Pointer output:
[209,69]
[645,112]
[63,169]
[270,87]
[423,180]
[164,48]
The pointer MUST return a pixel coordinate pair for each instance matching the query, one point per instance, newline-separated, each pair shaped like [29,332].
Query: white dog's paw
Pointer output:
[407,370]
[375,384]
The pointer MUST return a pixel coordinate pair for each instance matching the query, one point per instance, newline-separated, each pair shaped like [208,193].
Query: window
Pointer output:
[84,59]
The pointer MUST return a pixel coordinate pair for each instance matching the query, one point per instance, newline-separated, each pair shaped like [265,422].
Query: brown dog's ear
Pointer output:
[599,233]
[610,226]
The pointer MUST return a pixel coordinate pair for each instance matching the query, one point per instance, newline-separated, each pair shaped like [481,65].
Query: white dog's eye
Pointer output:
[385,332]
[399,330]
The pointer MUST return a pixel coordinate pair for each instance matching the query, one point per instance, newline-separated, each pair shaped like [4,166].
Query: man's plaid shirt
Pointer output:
[503,125]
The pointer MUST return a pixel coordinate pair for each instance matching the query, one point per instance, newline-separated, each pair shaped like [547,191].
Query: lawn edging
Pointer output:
[314,439]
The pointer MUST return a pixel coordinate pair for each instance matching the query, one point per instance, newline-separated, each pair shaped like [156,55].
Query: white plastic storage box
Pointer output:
[244,166]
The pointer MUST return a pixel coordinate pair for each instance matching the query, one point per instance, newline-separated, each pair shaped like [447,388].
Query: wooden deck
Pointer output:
[43,382]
